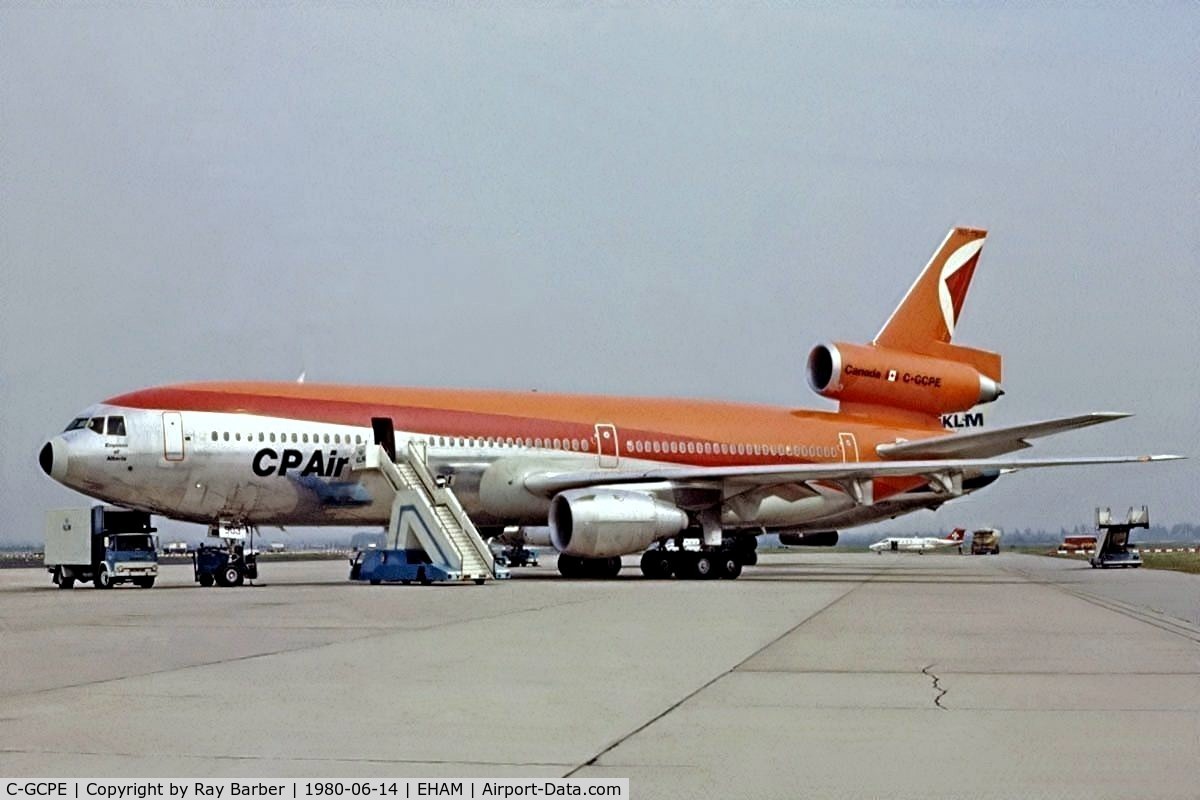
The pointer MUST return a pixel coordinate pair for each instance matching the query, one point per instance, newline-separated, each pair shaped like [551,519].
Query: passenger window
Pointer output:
[214,436]
[237,436]
[357,438]
[272,437]
[304,438]
[116,426]
[96,425]
[225,436]
[293,438]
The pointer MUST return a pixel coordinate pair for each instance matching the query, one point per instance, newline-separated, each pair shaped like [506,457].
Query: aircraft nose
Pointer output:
[53,459]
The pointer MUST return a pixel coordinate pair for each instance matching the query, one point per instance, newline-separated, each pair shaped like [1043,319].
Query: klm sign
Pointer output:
[956,421]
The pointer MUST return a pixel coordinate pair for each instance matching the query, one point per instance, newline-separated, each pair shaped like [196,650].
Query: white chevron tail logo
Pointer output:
[951,303]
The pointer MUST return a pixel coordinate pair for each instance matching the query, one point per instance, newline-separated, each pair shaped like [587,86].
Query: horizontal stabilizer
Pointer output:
[550,483]
[995,442]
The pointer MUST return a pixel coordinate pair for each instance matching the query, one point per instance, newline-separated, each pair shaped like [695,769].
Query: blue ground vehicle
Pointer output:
[103,544]
[404,566]
[223,566]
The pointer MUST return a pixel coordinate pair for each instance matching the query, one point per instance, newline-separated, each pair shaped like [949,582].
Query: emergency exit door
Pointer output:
[607,446]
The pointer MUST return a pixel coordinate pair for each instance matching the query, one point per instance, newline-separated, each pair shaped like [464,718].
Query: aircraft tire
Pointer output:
[569,566]
[729,566]
[657,564]
[685,566]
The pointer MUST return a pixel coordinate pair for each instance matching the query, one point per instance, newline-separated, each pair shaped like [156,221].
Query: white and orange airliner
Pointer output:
[610,476]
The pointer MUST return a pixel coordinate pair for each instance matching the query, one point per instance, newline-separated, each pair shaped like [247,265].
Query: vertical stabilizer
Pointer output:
[930,310]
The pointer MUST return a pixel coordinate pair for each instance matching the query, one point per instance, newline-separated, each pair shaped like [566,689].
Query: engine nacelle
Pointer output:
[601,523]
[808,538]
[883,377]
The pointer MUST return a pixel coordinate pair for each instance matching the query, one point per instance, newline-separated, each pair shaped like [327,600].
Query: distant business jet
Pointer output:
[918,544]
[610,475]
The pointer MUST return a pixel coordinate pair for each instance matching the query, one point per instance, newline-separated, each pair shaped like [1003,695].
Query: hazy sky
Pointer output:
[617,200]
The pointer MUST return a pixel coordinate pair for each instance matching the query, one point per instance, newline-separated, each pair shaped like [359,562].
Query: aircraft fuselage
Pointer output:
[218,452]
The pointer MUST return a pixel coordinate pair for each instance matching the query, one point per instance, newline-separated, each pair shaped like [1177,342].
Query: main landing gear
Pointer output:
[721,562]
[666,561]
[692,564]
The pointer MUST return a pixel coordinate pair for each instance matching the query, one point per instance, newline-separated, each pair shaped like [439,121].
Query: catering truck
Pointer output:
[103,544]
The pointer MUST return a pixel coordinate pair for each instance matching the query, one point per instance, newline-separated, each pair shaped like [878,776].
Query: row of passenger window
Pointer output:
[636,446]
[302,438]
[579,445]
[726,449]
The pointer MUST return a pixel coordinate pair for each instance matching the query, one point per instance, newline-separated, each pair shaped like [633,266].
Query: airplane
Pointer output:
[919,544]
[610,476]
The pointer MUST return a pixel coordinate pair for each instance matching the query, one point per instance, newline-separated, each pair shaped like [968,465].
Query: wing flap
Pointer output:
[996,442]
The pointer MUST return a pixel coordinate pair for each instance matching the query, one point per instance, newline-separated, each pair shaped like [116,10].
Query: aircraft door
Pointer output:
[172,422]
[385,434]
[607,445]
[895,546]
[849,447]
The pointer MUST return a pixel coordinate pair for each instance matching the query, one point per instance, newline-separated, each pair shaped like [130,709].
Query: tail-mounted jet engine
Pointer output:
[880,376]
[602,523]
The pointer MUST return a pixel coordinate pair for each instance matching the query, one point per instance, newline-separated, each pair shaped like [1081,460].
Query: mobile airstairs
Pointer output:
[430,537]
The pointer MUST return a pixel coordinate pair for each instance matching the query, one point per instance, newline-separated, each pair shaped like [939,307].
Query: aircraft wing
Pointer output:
[551,483]
[995,442]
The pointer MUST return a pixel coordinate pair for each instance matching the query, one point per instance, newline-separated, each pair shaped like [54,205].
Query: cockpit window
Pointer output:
[116,426]
[76,424]
[96,424]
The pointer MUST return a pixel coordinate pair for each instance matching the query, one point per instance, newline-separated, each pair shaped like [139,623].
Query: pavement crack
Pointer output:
[937,687]
[594,760]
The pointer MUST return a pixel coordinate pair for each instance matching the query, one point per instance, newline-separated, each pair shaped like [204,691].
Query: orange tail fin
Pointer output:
[925,320]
